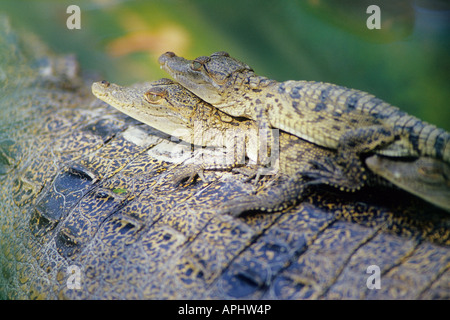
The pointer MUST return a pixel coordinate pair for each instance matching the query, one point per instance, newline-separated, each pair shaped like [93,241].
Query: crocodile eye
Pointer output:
[431,173]
[151,97]
[105,83]
[196,66]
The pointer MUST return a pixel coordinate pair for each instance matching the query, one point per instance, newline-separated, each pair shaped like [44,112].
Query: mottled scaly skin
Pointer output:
[84,186]
[326,114]
[169,107]
[204,125]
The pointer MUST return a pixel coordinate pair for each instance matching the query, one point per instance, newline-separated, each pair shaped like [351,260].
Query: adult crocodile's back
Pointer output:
[85,191]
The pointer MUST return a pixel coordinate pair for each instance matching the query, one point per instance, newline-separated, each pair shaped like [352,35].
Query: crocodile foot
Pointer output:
[189,172]
[238,206]
[345,170]
[274,197]
[349,177]
[252,172]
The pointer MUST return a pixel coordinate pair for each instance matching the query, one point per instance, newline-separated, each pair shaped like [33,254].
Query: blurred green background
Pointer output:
[405,63]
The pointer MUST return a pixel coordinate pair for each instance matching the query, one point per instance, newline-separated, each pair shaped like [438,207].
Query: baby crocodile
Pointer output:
[169,107]
[326,114]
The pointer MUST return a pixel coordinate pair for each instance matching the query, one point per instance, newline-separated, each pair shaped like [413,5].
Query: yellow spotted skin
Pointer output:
[169,107]
[83,185]
[326,114]
[291,158]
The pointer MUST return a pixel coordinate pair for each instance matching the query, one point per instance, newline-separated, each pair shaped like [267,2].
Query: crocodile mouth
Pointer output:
[98,89]
[181,78]
[177,75]
[194,81]
[179,68]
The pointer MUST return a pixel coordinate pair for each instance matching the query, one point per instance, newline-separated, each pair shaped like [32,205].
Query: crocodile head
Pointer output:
[211,78]
[425,177]
[163,104]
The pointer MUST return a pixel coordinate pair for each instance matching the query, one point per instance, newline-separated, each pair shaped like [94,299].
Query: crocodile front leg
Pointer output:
[279,195]
[221,159]
[345,170]
[260,146]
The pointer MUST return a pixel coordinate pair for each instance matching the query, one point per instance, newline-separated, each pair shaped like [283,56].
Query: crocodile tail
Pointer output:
[424,138]
[433,141]
[417,137]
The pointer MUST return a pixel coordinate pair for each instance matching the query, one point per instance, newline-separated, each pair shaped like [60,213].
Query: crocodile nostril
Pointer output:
[165,56]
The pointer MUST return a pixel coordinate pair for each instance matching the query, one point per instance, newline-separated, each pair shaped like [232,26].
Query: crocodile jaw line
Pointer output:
[199,87]
[164,121]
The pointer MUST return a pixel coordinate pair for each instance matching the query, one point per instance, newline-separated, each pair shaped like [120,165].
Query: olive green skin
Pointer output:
[85,188]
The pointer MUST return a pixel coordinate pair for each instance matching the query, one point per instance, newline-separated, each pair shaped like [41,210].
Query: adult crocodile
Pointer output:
[87,191]
[351,121]
[169,107]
